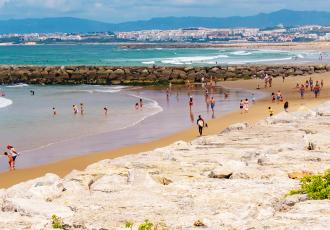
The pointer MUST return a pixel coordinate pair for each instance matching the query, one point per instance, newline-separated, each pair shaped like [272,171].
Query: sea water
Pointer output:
[27,121]
[115,56]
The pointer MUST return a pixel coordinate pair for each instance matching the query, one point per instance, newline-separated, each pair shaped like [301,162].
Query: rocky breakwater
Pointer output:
[236,179]
[107,75]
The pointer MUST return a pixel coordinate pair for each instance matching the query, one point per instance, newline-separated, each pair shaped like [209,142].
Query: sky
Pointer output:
[127,10]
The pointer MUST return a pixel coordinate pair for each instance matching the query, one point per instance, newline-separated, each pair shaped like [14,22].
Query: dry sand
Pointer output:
[256,113]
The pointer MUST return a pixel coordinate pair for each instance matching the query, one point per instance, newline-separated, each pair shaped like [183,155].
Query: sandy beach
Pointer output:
[256,113]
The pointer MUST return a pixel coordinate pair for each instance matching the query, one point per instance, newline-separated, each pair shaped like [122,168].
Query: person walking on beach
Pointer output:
[322,83]
[286,106]
[10,161]
[270,81]
[270,111]
[302,91]
[316,90]
[137,106]
[13,153]
[201,124]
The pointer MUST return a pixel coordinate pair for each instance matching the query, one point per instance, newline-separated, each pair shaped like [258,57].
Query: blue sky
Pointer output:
[126,10]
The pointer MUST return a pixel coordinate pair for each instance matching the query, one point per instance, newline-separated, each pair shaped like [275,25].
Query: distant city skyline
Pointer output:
[122,11]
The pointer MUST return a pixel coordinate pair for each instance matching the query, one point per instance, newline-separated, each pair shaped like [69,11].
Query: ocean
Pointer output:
[27,121]
[115,56]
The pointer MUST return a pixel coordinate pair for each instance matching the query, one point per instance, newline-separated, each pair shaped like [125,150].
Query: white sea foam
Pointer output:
[4,102]
[241,53]
[19,85]
[193,59]
[148,62]
[240,62]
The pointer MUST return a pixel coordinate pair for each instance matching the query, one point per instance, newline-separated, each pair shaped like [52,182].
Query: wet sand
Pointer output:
[256,113]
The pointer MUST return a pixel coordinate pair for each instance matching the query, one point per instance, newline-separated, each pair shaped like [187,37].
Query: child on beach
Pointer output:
[10,161]
[137,106]
[270,111]
[105,110]
[54,111]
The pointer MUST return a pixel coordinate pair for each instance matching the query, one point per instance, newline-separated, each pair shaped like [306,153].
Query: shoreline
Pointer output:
[256,113]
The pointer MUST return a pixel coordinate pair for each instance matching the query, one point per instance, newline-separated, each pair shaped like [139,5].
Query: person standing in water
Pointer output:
[75,109]
[141,103]
[200,124]
[10,161]
[191,103]
[54,111]
[246,105]
[82,110]
[212,105]
[241,106]
[105,110]
[13,153]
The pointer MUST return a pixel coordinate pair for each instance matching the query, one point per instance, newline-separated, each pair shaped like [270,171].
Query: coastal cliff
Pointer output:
[107,75]
[239,178]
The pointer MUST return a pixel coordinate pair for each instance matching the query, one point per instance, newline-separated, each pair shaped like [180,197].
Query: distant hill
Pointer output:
[52,25]
[74,25]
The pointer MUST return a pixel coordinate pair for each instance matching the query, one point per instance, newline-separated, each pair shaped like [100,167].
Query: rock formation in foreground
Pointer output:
[236,179]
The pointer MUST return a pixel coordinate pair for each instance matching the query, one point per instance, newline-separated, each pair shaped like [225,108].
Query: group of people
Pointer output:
[309,85]
[11,154]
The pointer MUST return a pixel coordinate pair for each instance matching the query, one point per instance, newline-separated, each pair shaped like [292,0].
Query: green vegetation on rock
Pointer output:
[57,222]
[317,187]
